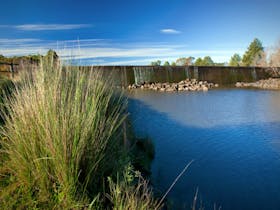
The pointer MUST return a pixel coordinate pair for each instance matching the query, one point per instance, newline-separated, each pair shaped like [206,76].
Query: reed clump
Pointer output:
[62,139]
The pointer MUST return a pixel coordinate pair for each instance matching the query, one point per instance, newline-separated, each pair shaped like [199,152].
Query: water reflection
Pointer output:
[233,135]
[214,108]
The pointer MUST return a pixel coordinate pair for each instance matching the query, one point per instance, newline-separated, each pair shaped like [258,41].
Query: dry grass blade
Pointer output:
[174,182]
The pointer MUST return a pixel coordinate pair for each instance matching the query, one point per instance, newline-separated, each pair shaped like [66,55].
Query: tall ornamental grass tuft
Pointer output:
[61,138]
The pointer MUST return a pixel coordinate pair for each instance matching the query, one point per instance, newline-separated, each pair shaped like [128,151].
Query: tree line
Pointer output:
[36,58]
[187,61]
[255,55]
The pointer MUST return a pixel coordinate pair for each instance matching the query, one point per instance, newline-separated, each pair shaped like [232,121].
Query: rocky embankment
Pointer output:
[185,85]
[271,83]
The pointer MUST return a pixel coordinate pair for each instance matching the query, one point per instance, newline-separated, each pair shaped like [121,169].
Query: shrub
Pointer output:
[61,138]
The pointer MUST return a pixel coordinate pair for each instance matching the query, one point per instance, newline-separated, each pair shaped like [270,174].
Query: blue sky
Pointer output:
[108,32]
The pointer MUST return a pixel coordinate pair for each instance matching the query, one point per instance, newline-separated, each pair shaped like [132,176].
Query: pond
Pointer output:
[231,134]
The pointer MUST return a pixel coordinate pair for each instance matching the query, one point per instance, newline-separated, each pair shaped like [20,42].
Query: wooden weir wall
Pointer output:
[126,75]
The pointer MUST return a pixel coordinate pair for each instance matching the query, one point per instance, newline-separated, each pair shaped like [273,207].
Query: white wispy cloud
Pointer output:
[139,61]
[48,27]
[18,41]
[170,31]
[109,52]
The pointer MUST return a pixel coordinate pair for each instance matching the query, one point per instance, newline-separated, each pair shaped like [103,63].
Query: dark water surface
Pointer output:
[233,135]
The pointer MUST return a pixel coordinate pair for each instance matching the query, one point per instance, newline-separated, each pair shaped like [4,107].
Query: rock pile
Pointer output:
[185,85]
[273,84]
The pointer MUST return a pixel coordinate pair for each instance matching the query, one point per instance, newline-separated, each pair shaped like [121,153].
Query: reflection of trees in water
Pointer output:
[215,108]
[273,103]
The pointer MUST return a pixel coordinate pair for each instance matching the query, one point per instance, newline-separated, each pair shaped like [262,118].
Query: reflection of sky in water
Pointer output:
[200,109]
[233,136]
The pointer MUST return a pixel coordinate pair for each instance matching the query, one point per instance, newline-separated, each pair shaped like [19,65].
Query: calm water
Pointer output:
[233,136]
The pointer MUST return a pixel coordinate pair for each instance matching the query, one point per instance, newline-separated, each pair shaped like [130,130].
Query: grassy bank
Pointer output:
[64,146]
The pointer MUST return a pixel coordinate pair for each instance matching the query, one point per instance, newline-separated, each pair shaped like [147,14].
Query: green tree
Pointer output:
[207,61]
[156,63]
[235,60]
[166,63]
[198,62]
[253,53]
[173,63]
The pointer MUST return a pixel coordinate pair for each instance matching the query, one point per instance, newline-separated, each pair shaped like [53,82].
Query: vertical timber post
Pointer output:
[12,69]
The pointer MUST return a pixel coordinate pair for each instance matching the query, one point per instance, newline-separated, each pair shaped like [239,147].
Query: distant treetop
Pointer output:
[36,58]
[254,53]
[156,63]
[206,61]
[235,60]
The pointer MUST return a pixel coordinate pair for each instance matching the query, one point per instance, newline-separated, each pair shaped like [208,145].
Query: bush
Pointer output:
[62,137]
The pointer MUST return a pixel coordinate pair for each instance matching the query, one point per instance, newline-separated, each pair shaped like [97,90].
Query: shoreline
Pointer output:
[184,85]
[267,84]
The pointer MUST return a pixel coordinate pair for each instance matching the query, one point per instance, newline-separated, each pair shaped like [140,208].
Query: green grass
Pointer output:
[124,195]
[62,138]
[6,87]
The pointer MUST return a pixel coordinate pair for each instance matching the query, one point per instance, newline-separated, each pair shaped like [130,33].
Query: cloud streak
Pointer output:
[18,41]
[108,52]
[50,27]
[169,31]
[46,27]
